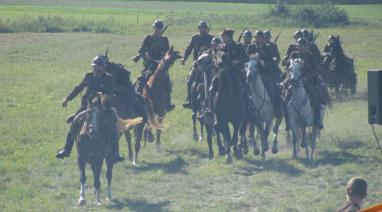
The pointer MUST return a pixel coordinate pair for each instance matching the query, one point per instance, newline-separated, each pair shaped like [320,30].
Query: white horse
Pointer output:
[300,111]
[263,108]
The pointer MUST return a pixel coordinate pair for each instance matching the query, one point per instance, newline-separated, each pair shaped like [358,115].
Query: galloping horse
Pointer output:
[101,127]
[156,89]
[200,101]
[300,111]
[130,104]
[228,103]
[263,107]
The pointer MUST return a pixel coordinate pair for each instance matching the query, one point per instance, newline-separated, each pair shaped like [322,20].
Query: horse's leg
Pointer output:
[222,149]
[235,138]
[243,137]
[304,143]
[256,150]
[209,142]
[138,132]
[275,148]
[295,132]
[194,129]
[81,166]
[128,140]
[96,168]
[264,138]
[202,124]
[224,129]
[109,175]
[313,141]
[158,144]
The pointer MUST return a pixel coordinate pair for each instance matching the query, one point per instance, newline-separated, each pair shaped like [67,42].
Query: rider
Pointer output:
[313,46]
[154,47]
[313,83]
[270,72]
[199,43]
[96,81]
[292,47]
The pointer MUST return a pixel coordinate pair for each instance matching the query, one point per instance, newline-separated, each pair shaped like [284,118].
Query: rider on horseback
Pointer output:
[247,39]
[199,43]
[314,85]
[96,81]
[270,72]
[153,48]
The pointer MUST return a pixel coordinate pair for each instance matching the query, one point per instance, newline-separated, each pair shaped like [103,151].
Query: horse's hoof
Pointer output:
[238,154]
[229,159]
[158,148]
[98,203]
[245,149]
[256,151]
[195,137]
[81,201]
[211,157]
[134,163]
[263,155]
[201,139]
[303,144]
[275,150]
[222,151]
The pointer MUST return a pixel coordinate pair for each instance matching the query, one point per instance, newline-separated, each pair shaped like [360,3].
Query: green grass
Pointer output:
[39,69]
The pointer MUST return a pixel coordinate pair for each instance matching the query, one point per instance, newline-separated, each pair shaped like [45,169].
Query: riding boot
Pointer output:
[115,149]
[317,118]
[73,131]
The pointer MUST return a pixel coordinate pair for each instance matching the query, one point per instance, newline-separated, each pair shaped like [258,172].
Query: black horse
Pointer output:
[100,128]
[339,69]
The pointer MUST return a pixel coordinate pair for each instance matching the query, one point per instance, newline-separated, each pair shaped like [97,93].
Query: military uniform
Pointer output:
[236,52]
[198,44]
[155,46]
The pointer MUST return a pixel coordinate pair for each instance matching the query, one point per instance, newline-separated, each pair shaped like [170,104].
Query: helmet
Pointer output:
[297,34]
[158,24]
[302,42]
[331,38]
[267,34]
[247,33]
[259,33]
[305,33]
[203,24]
[99,60]
[215,40]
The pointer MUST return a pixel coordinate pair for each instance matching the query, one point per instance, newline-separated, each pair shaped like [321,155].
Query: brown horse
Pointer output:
[228,103]
[156,91]
[101,126]
[130,104]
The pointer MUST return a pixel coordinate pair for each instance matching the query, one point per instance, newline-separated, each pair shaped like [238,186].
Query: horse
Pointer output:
[155,91]
[200,101]
[228,103]
[101,126]
[129,104]
[340,73]
[263,108]
[300,111]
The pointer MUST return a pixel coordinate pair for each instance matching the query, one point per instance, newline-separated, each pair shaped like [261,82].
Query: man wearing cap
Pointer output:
[199,43]
[96,81]
[154,47]
[235,51]
[313,48]
[291,48]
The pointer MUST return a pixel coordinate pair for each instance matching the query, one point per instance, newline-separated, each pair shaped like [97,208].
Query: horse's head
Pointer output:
[96,106]
[295,69]
[251,68]
[171,56]
[221,60]
[204,62]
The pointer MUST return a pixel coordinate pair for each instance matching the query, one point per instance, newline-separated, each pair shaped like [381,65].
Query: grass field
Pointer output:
[39,69]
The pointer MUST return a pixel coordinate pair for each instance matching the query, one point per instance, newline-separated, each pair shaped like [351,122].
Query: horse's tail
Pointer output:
[151,119]
[126,124]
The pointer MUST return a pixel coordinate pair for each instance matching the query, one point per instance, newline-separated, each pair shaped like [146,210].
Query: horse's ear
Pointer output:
[338,37]
[172,48]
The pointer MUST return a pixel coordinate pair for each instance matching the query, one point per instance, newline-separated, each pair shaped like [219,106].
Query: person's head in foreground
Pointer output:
[356,192]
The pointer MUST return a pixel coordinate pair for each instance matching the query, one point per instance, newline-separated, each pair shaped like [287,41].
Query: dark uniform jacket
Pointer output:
[198,43]
[236,52]
[266,54]
[93,84]
[156,47]
[121,76]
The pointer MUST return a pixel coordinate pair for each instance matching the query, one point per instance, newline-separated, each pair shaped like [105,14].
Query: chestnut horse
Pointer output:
[156,91]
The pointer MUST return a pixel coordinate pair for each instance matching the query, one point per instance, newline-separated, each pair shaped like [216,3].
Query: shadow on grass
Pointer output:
[138,205]
[349,98]
[171,167]
[279,166]
[338,158]
[191,152]
[347,145]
